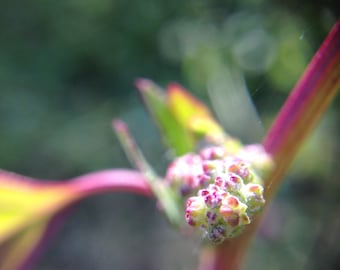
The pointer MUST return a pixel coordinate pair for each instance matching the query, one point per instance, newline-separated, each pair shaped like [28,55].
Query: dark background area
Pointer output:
[68,67]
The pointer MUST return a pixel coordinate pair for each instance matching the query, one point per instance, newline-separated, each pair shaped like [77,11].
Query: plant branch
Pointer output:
[299,115]
[303,109]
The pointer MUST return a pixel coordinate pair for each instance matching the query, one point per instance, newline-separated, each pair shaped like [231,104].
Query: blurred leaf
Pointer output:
[184,105]
[182,118]
[18,247]
[29,208]
[192,114]
[25,209]
[174,133]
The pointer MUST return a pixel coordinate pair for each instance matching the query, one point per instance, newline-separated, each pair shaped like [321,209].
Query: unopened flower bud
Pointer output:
[217,234]
[212,195]
[229,182]
[254,195]
[234,211]
[257,156]
[196,211]
[211,153]
[186,173]
[241,168]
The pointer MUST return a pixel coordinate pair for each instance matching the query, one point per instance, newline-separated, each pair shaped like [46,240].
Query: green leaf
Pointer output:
[194,116]
[174,133]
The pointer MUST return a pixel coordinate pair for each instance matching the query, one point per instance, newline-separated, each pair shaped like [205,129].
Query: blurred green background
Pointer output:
[68,67]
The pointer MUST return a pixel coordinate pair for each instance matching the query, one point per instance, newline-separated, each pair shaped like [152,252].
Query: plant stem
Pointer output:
[303,109]
[299,115]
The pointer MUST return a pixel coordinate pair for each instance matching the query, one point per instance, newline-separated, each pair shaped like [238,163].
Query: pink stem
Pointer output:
[304,107]
[297,118]
[117,180]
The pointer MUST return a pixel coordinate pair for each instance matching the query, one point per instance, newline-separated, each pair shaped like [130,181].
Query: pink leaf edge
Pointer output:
[110,180]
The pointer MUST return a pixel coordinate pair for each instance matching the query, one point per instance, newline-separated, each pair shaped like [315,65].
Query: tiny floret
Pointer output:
[186,174]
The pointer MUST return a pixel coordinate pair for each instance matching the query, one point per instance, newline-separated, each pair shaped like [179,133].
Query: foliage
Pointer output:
[63,80]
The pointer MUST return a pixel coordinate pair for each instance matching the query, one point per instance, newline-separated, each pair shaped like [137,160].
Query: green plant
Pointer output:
[30,210]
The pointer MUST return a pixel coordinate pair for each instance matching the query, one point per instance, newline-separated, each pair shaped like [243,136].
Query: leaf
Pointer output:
[16,250]
[182,118]
[174,133]
[193,115]
[184,105]
[31,209]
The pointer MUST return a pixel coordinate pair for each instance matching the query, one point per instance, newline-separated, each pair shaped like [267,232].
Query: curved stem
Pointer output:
[27,240]
[118,180]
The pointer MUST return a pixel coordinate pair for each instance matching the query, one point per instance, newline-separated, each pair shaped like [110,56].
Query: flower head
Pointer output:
[223,191]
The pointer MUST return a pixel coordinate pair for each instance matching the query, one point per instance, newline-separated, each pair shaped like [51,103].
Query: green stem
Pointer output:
[132,151]
[169,200]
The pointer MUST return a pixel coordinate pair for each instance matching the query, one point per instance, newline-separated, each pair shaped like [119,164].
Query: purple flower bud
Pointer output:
[254,195]
[240,168]
[196,211]
[217,234]
[257,156]
[212,196]
[211,217]
[211,153]
[185,173]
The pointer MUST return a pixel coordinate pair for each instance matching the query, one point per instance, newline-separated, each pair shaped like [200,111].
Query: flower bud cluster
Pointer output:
[186,174]
[255,154]
[225,191]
